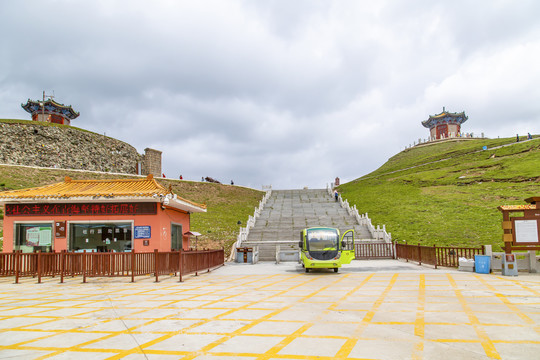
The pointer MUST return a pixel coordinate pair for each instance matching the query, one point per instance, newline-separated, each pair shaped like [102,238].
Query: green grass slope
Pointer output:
[218,226]
[447,193]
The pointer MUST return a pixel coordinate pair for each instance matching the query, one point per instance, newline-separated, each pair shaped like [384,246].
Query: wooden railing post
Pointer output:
[62,265]
[156,264]
[84,266]
[180,264]
[39,267]
[406,250]
[17,265]
[196,262]
[132,265]
[436,258]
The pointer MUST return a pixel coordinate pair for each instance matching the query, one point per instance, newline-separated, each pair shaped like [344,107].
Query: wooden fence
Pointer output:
[381,250]
[110,264]
[436,255]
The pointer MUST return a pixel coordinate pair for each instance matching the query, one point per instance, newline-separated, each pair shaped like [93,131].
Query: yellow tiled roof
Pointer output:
[87,188]
[91,188]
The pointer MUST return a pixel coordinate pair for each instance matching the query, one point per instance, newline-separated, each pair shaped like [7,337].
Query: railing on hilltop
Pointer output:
[377,233]
[110,264]
[244,231]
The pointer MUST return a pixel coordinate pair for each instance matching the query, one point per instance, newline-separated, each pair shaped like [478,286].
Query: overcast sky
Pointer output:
[283,93]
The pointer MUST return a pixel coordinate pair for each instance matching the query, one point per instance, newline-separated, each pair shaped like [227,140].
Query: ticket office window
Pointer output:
[116,237]
[33,237]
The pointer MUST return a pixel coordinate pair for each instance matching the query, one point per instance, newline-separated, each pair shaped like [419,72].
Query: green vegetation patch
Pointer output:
[448,193]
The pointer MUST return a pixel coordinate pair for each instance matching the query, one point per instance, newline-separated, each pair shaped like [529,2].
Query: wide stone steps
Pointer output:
[287,212]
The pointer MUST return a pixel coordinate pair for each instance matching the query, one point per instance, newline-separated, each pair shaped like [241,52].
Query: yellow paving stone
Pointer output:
[331,328]
[394,316]
[384,350]
[12,337]
[313,347]
[517,351]
[201,313]
[446,317]
[454,350]
[218,327]
[219,357]
[253,344]
[122,341]
[165,325]
[185,342]
[280,328]
[70,355]
[453,331]
[22,354]
[286,314]
[66,342]
[390,331]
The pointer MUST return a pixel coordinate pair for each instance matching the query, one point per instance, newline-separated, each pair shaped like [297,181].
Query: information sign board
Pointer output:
[526,231]
[143,232]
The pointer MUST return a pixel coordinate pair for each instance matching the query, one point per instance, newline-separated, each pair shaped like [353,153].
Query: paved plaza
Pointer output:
[369,310]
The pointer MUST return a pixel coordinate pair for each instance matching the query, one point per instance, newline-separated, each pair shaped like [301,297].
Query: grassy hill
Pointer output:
[447,193]
[226,204]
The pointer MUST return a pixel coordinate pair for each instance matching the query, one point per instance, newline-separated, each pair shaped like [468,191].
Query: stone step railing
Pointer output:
[244,231]
[377,233]
[285,250]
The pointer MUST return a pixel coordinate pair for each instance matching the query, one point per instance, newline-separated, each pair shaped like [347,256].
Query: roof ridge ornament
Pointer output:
[67,179]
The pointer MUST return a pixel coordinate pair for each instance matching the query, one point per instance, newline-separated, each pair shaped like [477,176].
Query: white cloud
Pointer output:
[274,92]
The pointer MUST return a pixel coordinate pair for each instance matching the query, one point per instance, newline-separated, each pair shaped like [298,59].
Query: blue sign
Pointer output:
[143,232]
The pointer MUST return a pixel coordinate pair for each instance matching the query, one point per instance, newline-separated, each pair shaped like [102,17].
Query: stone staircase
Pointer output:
[287,212]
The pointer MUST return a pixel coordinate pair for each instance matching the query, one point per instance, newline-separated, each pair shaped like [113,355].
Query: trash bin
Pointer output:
[482,264]
[244,255]
[509,265]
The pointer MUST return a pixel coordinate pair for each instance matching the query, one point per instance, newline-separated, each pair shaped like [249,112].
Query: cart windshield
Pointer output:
[322,240]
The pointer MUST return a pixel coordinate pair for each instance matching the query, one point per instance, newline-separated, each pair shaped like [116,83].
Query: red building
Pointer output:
[50,111]
[97,215]
[445,124]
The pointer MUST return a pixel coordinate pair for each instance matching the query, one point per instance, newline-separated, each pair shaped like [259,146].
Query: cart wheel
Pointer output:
[307,270]
[335,269]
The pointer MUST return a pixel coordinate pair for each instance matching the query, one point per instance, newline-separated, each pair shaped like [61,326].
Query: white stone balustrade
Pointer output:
[244,231]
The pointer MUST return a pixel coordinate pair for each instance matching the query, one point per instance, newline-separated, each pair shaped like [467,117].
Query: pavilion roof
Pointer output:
[51,106]
[102,190]
[445,116]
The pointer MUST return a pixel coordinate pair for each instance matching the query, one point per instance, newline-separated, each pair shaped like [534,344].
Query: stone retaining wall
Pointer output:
[34,144]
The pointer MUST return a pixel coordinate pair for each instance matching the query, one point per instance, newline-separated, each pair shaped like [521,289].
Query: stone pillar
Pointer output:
[532,261]
[489,252]
[151,162]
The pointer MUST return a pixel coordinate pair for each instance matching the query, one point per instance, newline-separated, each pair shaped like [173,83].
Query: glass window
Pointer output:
[100,237]
[33,237]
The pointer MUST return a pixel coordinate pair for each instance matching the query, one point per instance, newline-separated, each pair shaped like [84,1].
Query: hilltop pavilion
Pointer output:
[50,111]
[445,124]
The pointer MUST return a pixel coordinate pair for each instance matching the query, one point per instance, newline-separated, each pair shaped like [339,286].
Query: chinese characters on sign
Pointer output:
[81,209]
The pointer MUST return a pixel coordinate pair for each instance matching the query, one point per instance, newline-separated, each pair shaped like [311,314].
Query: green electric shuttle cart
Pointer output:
[323,248]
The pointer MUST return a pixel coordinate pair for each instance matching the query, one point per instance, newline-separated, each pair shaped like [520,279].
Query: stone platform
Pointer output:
[369,310]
